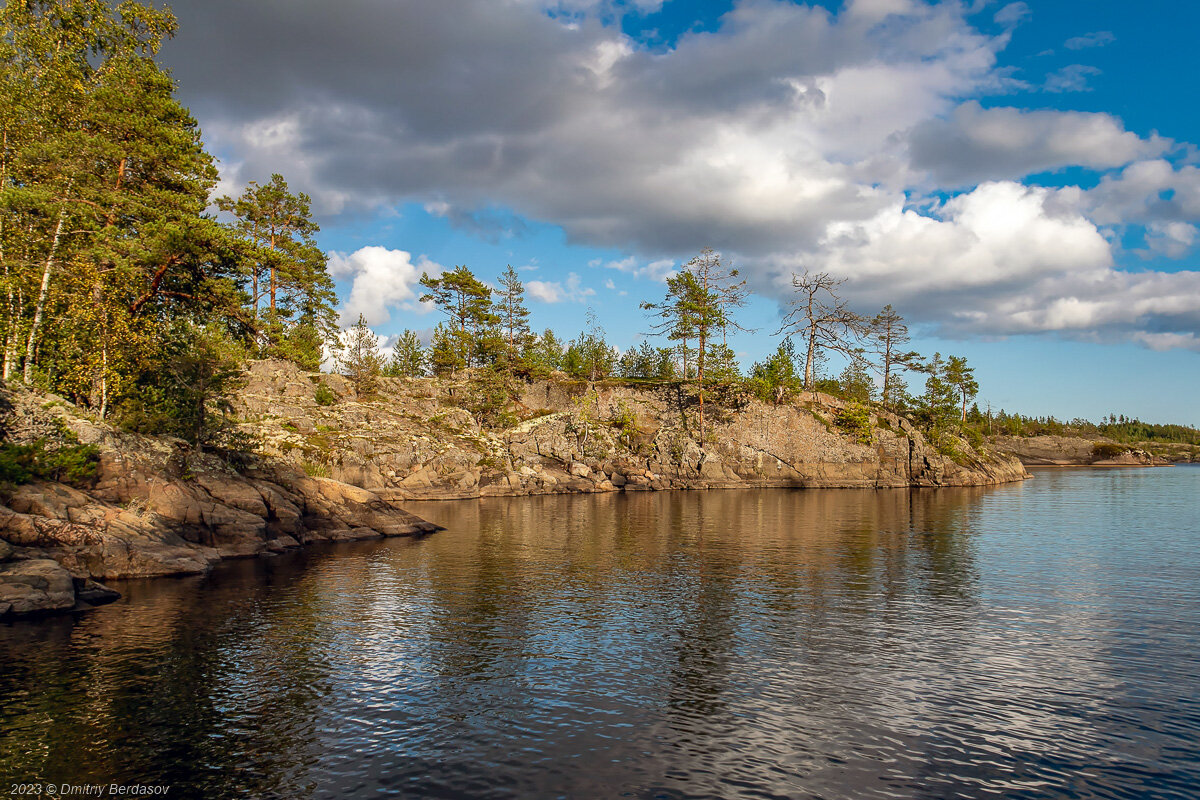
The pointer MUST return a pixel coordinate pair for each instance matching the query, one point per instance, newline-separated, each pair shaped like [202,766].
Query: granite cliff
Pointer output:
[411,440]
[331,465]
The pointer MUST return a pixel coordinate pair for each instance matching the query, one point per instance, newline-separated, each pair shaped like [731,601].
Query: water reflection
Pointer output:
[741,643]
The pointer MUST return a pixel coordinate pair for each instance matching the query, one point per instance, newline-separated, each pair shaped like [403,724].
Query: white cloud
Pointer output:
[383,279]
[976,144]
[1012,14]
[1071,78]
[572,290]
[1094,39]
[1003,259]
[788,136]
[658,270]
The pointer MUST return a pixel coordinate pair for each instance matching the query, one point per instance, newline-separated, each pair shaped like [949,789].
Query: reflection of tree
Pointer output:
[772,614]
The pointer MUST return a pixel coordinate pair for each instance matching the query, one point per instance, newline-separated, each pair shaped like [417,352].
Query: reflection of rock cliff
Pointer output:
[158,507]
[413,441]
[1064,451]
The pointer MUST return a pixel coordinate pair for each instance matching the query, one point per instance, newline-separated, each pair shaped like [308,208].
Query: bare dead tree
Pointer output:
[821,320]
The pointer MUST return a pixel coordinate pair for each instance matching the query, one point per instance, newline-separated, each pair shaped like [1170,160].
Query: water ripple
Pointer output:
[1030,641]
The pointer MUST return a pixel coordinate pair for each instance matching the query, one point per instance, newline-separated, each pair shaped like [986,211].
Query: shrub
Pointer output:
[855,421]
[1104,450]
[324,395]
[72,463]
[624,420]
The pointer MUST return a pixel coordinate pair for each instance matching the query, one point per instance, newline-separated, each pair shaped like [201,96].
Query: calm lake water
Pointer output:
[1036,640]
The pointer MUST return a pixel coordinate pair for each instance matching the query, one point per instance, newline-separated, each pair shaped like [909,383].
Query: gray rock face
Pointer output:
[36,586]
[159,508]
[1062,451]
[412,442]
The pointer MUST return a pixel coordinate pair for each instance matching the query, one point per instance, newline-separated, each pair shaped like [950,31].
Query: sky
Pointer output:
[1020,180]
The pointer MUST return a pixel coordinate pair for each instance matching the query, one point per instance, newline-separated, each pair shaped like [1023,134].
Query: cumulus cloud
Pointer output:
[786,136]
[975,144]
[658,270]
[572,290]
[382,280]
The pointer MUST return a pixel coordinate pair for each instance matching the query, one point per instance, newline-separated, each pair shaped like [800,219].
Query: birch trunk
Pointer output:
[40,308]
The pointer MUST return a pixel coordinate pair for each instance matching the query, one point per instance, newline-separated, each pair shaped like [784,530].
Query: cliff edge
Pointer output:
[413,439]
[155,506]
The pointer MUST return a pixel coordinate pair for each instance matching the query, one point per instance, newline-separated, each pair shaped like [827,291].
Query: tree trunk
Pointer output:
[40,308]
[809,358]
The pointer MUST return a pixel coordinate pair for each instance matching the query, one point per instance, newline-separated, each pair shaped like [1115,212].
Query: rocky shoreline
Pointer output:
[342,471]
[1074,451]
[158,507]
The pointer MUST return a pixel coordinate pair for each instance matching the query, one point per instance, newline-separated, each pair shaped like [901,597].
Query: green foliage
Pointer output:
[490,393]
[583,422]
[470,336]
[886,337]
[409,358]
[776,380]
[647,362]
[1105,450]
[543,355]
[855,421]
[938,405]
[855,382]
[324,396]
[624,420]
[291,294]
[65,461]
[589,356]
[188,395]
[360,360]
[721,366]
[1117,427]
[512,313]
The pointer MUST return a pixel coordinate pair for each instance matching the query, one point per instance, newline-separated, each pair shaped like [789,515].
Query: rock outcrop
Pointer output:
[340,471]
[158,507]
[413,441]
[1065,451]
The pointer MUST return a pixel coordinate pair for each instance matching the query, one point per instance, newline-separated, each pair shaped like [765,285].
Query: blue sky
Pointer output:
[1018,179]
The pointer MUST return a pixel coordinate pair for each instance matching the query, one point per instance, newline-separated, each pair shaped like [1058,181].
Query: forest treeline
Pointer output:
[485,335]
[123,289]
[119,289]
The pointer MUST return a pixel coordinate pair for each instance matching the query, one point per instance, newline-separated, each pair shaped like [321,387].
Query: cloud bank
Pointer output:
[788,137]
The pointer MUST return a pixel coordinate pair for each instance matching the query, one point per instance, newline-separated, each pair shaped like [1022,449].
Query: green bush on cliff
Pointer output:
[324,396]
[71,463]
[1106,450]
[855,421]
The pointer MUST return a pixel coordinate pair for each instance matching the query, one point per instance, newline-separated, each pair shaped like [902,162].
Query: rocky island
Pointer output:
[340,469]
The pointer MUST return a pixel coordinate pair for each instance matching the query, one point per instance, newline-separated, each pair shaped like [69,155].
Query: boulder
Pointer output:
[36,586]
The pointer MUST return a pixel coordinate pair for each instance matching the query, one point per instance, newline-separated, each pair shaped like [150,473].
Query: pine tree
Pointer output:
[360,361]
[961,378]
[408,357]
[285,269]
[697,306]
[888,335]
[103,185]
[514,316]
[470,338]
[775,380]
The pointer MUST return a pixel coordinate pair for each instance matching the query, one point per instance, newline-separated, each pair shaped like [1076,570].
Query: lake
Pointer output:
[1036,640]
